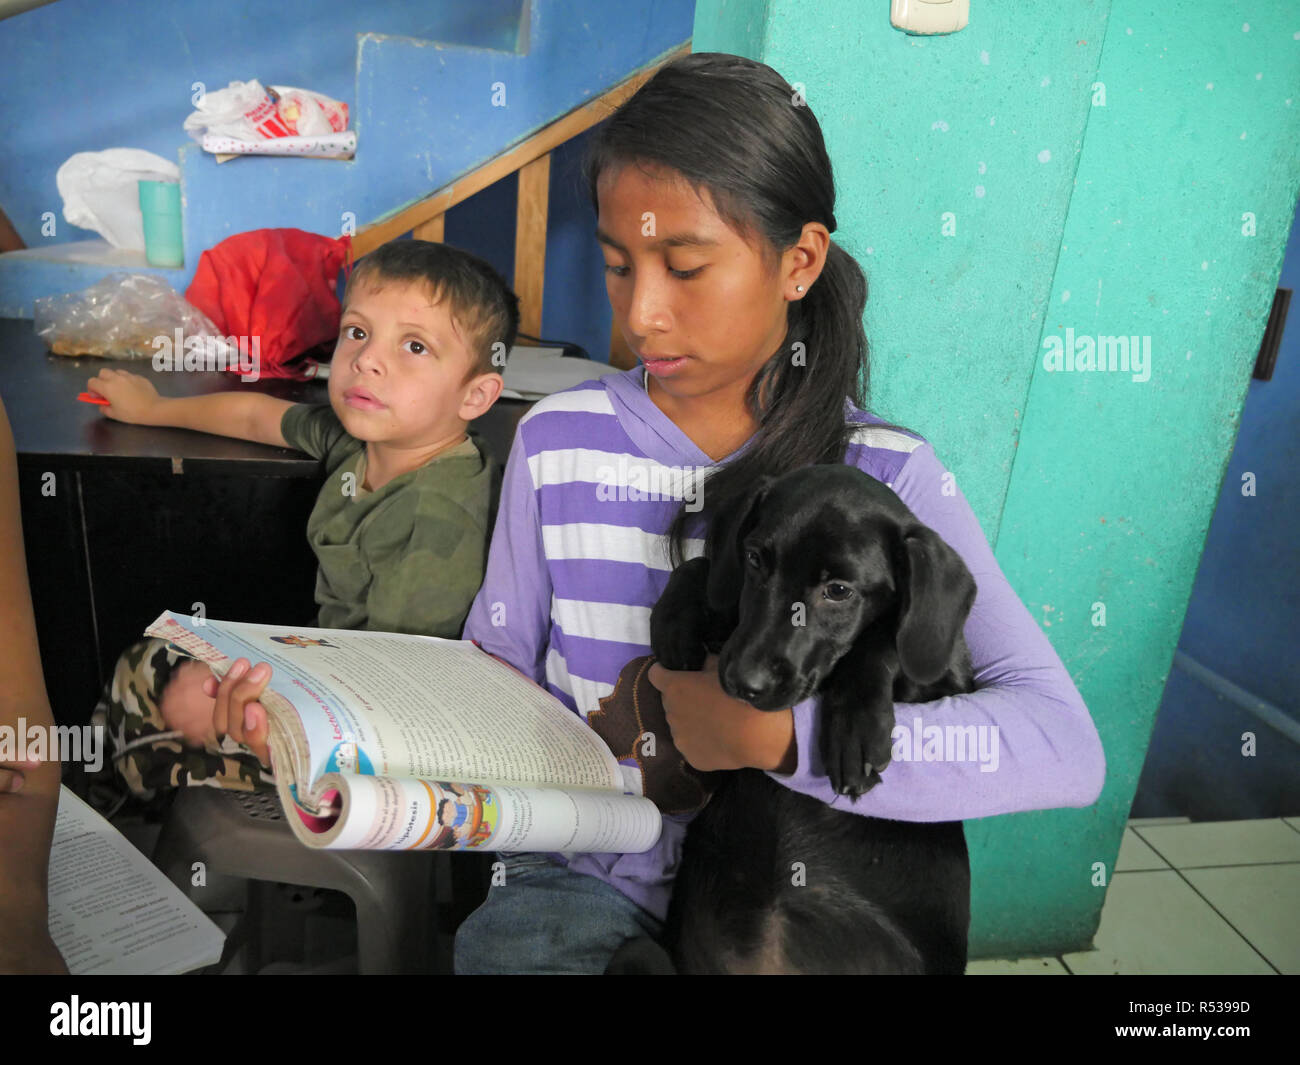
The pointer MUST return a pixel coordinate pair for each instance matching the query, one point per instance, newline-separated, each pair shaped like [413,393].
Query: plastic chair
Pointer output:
[244,834]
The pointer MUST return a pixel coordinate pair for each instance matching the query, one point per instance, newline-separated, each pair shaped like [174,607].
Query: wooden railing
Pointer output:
[532,159]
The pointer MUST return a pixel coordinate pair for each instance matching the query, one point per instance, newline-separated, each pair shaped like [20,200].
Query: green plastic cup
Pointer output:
[160,204]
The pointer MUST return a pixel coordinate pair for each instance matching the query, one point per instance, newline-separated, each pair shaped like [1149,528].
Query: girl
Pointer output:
[715,205]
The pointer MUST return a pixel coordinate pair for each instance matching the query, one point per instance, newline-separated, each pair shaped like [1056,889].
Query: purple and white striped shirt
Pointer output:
[578,558]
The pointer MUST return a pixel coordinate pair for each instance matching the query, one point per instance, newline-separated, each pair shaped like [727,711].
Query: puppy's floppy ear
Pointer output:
[936,592]
[727,530]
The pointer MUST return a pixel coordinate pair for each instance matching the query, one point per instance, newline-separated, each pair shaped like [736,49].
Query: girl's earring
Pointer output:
[798,288]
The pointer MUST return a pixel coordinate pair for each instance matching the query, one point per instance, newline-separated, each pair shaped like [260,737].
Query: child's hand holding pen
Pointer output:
[131,398]
[237,713]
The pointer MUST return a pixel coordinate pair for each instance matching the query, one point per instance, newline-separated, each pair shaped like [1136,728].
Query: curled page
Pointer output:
[382,813]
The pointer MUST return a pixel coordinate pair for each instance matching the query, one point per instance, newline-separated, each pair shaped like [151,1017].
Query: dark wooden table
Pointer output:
[122,521]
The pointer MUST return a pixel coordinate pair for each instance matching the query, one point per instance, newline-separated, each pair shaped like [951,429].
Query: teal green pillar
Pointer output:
[1083,172]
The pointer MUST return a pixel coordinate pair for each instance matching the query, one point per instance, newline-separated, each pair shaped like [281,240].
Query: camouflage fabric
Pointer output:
[129,711]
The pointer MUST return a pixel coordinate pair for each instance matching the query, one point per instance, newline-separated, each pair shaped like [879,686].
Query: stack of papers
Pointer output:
[112,911]
[532,373]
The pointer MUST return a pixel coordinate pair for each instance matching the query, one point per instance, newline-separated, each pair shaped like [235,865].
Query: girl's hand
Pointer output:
[12,774]
[237,714]
[715,731]
[131,398]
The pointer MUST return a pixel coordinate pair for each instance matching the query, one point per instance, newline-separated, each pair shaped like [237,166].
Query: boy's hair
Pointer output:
[481,303]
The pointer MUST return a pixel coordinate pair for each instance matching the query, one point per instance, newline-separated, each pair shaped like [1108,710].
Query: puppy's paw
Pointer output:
[680,649]
[680,622]
[856,749]
[858,787]
[846,764]
[872,777]
[880,752]
[677,637]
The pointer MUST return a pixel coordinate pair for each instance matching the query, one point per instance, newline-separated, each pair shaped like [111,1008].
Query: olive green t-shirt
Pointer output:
[406,558]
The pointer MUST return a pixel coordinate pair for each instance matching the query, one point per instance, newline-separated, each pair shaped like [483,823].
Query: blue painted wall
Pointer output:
[419,78]
[85,75]
[1242,619]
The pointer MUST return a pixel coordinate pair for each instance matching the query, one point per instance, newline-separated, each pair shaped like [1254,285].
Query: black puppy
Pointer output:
[825,583]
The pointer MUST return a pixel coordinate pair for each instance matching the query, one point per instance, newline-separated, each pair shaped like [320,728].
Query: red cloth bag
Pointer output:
[279,285]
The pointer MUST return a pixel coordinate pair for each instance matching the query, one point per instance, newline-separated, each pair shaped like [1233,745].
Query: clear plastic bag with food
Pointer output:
[121,317]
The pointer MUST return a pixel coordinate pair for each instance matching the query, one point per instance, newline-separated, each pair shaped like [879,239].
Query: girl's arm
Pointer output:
[1042,748]
[27,816]
[245,415]
[511,614]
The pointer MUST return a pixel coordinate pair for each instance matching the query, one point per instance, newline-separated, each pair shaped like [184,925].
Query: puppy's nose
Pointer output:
[754,680]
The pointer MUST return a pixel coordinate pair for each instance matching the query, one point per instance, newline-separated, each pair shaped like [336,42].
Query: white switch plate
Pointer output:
[929,16]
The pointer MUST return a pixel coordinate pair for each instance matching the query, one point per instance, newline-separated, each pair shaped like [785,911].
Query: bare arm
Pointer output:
[26,816]
[245,415]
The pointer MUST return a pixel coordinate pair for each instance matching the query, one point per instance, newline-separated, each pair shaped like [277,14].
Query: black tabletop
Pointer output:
[52,427]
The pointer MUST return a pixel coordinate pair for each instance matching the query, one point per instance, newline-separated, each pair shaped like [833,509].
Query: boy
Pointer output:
[400,527]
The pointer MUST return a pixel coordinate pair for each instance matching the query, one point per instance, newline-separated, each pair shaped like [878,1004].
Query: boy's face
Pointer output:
[400,369]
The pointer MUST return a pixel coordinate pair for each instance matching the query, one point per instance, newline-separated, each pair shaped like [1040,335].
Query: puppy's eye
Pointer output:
[837,592]
[752,559]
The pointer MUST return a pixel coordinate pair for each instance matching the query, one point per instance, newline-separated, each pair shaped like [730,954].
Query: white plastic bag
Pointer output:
[246,111]
[100,191]
[242,110]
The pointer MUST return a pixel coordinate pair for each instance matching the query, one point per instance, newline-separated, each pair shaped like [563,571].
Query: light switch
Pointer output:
[929,16]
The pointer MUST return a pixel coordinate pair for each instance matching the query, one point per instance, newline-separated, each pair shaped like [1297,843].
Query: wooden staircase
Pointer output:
[531,158]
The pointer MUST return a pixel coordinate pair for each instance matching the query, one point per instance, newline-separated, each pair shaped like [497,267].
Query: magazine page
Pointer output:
[382,813]
[112,911]
[394,705]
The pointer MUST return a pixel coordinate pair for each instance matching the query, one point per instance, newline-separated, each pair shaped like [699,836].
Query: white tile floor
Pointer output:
[1203,898]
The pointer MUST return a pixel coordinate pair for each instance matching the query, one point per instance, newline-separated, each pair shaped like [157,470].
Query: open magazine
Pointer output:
[384,741]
